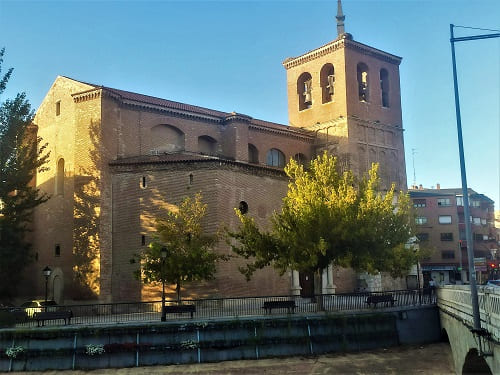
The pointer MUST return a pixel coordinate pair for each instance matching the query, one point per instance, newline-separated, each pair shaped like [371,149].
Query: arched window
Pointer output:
[327,79]
[300,158]
[362,74]
[166,138]
[384,87]
[207,145]
[275,158]
[60,177]
[253,154]
[304,90]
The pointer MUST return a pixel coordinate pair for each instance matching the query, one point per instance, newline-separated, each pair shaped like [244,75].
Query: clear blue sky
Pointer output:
[227,55]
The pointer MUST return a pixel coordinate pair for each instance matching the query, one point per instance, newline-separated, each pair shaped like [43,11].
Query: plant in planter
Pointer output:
[94,349]
[14,351]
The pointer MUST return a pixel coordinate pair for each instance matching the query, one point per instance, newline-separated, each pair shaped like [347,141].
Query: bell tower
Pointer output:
[349,94]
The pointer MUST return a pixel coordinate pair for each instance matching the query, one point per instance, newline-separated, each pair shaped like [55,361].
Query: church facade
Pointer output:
[119,159]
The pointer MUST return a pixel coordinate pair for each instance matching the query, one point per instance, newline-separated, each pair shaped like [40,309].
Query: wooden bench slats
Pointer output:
[181,309]
[269,305]
[380,298]
[41,317]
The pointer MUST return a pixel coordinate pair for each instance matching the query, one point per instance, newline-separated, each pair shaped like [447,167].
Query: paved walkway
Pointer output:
[433,359]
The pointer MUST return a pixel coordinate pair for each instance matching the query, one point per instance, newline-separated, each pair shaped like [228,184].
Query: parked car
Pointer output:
[38,305]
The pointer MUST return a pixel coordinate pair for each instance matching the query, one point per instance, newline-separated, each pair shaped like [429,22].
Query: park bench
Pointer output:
[180,309]
[380,298]
[41,317]
[269,305]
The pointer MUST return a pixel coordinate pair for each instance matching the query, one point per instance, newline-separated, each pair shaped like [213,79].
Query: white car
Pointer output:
[38,305]
[493,283]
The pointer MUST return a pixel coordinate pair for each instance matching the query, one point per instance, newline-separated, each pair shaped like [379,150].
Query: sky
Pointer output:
[227,55]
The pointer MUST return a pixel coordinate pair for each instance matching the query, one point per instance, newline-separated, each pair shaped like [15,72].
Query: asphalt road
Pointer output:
[429,359]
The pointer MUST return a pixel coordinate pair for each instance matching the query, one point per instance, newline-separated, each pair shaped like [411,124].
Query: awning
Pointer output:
[439,268]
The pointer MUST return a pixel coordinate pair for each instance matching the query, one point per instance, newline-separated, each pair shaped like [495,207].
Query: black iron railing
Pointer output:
[235,307]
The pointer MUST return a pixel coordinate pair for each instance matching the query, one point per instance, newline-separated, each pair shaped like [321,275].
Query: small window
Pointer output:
[420,220]
[191,179]
[243,207]
[60,177]
[36,256]
[444,202]
[476,220]
[327,82]
[423,237]
[445,219]
[143,240]
[446,236]
[460,201]
[475,203]
[253,154]
[57,250]
[483,221]
[144,183]
[419,203]
[448,254]
[58,108]
[304,91]
[275,158]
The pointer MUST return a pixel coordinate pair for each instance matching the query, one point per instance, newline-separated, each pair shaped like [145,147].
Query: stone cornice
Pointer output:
[371,123]
[339,44]
[87,95]
[287,133]
[314,54]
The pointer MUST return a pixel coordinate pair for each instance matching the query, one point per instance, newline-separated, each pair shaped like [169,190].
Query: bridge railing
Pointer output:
[456,300]
[240,306]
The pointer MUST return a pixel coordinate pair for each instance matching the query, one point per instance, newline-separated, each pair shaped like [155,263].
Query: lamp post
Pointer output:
[163,257]
[46,272]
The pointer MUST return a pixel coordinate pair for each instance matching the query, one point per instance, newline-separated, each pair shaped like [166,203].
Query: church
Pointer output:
[119,159]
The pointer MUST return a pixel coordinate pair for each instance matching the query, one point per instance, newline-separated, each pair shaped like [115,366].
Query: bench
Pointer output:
[269,305]
[179,309]
[380,298]
[41,317]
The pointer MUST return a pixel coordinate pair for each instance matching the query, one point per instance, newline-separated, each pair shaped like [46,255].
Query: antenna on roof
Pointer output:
[413,152]
[340,19]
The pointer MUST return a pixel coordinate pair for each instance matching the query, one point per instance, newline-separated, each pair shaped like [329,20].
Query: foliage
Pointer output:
[14,351]
[94,349]
[329,217]
[21,155]
[190,254]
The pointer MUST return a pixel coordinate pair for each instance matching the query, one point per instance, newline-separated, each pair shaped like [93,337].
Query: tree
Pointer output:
[328,217]
[21,156]
[190,254]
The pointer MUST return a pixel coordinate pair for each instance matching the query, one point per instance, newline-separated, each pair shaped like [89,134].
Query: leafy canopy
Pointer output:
[328,217]
[190,255]
[22,154]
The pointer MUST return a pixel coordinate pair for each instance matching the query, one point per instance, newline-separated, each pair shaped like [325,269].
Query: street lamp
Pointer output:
[163,257]
[46,272]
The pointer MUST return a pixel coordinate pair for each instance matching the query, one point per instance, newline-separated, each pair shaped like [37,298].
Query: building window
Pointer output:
[143,240]
[419,203]
[420,220]
[448,254]
[423,237]
[446,236]
[57,250]
[384,87]
[253,154]
[444,202]
[445,219]
[60,177]
[327,82]
[460,201]
[362,75]
[143,182]
[300,158]
[476,220]
[304,91]
[207,145]
[191,179]
[475,203]
[243,207]
[483,221]
[275,158]
[58,108]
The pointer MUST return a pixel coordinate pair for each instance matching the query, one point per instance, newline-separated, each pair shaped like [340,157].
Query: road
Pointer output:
[433,359]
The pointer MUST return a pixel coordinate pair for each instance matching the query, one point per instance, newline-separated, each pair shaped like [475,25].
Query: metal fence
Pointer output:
[237,307]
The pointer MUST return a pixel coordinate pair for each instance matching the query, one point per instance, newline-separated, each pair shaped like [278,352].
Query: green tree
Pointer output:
[329,217]
[21,155]
[190,255]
